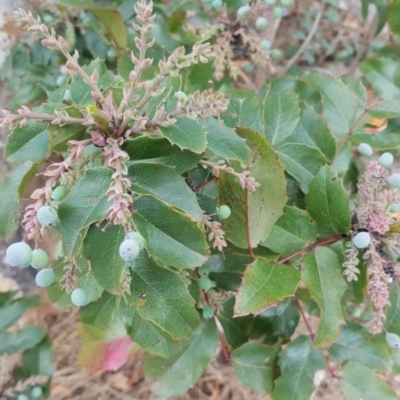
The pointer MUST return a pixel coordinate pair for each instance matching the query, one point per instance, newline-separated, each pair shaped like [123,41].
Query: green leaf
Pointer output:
[224,141]
[264,285]
[85,204]
[394,17]
[356,344]
[327,203]
[358,90]
[385,109]
[186,134]
[339,103]
[359,382]
[177,374]
[280,115]
[113,24]
[11,314]
[165,184]
[28,143]
[292,232]
[102,249]
[61,135]
[392,323]
[172,238]
[254,213]
[10,191]
[322,274]
[388,139]
[146,149]
[101,313]
[39,359]
[254,365]
[167,293]
[298,363]
[383,75]
[26,338]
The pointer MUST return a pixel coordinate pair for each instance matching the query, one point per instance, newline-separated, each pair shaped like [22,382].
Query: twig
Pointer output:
[311,34]
[303,315]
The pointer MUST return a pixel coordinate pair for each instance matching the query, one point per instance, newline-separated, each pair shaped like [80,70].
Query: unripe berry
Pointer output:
[276,54]
[137,237]
[247,67]
[61,80]
[386,160]
[208,312]
[181,96]
[22,397]
[362,240]
[393,340]
[129,250]
[266,45]
[59,193]
[278,13]
[36,392]
[243,11]
[47,216]
[40,259]
[269,2]
[67,95]
[217,4]
[365,149]
[204,283]
[223,212]
[79,297]
[394,180]
[45,277]
[286,3]
[19,255]
[204,270]
[394,208]
[261,24]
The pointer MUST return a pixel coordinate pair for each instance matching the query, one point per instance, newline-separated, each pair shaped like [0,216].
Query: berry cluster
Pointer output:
[35,393]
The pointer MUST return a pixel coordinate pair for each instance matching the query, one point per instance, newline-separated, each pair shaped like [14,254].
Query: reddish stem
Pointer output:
[303,315]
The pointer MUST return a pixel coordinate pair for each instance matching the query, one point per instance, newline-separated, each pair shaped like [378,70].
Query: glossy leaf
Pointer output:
[172,238]
[322,275]
[360,382]
[254,365]
[292,232]
[177,374]
[327,203]
[264,285]
[24,339]
[298,363]
[254,213]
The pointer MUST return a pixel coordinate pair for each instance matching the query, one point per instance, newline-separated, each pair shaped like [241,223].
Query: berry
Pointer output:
[45,277]
[129,250]
[243,11]
[67,95]
[181,96]
[22,397]
[137,237]
[394,208]
[223,212]
[61,80]
[278,12]
[386,160]
[40,259]
[362,240]
[269,2]
[365,149]
[247,67]
[36,392]
[79,297]
[47,216]
[394,180]
[261,24]
[276,54]
[286,3]
[393,340]
[217,4]
[204,283]
[59,193]
[266,45]
[204,270]
[19,255]
[208,312]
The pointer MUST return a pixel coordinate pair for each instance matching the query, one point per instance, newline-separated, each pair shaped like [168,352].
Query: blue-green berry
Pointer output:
[36,392]
[276,54]
[386,159]
[247,67]
[45,277]
[204,270]
[137,237]
[266,45]
[208,312]
[365,149]
[79,297]
[393,340]
[223,212]
[394,208]
[269,2]
[394,180]
[362,240]
[22,397]
[204,283]
[217,4]
[129,250]
[278,12]
[47,216]
[243,11]
[19,255]
[261,24]
[59,193]
[40,259]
